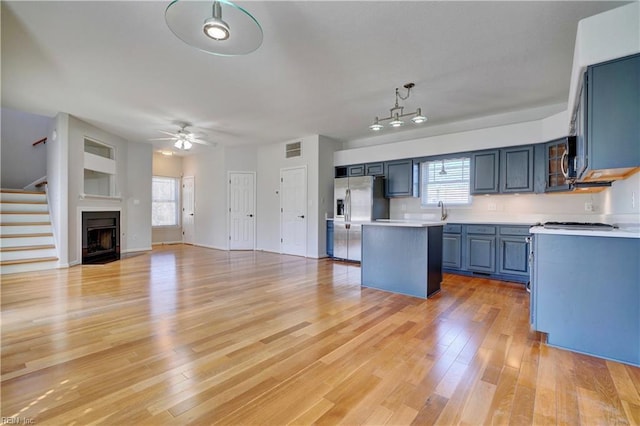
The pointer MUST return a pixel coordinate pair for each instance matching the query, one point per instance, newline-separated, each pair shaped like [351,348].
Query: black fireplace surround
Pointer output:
[100,237]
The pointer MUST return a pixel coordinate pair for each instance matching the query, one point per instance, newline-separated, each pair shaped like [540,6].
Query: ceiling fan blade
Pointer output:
[175,135]
[162,139]
[200,141]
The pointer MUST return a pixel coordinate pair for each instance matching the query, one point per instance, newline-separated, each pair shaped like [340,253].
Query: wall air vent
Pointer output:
[293,149]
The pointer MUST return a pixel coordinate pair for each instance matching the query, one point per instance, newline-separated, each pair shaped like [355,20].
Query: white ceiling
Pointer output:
[325,67]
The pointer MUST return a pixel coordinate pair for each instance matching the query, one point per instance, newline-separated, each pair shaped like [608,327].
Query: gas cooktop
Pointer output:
[579,225]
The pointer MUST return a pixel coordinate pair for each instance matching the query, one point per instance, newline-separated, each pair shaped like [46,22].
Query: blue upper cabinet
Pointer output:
[516,169]
[356,170]
[374,169]
[399,178]
[485,172]
[555,154]
[612,119]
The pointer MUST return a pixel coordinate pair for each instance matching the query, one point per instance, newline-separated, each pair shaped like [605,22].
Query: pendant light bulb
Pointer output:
[376,126]
[214,27]
[396,121]
[419,118]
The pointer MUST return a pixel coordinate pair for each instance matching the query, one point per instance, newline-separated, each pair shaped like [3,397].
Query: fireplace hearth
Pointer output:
[100,237]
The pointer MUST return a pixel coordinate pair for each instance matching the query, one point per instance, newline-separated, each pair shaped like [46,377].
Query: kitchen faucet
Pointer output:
[443,214]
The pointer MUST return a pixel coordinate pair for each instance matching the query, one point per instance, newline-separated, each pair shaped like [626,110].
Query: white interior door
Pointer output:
[242,210]
[293,211]
[188,209]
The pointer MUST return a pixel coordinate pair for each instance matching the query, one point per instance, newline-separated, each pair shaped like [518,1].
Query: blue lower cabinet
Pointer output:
[587,296]
[481,253]
[497,251]
[330,238]
[451,251]
[513,256]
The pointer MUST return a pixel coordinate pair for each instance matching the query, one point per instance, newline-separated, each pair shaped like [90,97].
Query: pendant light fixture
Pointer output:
[397,112]
[218,27]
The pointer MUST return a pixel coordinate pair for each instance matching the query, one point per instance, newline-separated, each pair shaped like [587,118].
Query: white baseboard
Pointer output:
[162,243]
[133,250]
[211,247]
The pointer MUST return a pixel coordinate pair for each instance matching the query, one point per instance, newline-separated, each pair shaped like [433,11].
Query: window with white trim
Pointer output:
[165,206]
[446,180]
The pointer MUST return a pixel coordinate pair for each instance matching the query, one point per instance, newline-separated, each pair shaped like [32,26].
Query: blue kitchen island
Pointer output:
[585,291]
[402,257]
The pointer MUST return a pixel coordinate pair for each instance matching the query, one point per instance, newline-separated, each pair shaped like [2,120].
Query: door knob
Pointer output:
[190,214]
[301,217]
[250,215]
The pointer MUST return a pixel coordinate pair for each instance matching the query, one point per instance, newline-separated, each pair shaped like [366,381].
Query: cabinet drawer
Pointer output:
[514,230]
[452,229]
[481,229]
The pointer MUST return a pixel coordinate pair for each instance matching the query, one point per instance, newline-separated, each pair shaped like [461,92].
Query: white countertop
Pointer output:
[614,233]
[396,223]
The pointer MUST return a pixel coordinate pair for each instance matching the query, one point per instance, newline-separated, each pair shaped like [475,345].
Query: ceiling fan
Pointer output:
[183,138]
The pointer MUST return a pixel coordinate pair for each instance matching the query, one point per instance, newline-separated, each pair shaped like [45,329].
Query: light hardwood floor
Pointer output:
[187,335]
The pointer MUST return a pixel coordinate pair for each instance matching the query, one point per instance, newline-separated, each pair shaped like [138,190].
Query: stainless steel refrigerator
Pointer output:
[355,199]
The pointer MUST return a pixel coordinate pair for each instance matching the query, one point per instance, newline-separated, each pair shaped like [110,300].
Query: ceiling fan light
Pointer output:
[183,144]
[216,29]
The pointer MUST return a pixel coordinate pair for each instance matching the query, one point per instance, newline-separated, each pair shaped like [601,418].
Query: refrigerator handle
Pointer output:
[347,207]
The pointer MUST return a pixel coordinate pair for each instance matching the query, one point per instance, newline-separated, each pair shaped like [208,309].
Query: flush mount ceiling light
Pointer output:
[219,27]
[397,112]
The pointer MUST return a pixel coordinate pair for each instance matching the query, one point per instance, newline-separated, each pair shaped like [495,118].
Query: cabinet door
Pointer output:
[554,156]
[481,253]
[484,172]
[356,170]
[451,251]
[329,238]
[613,114]
[513,256]
[374,169]
[516,169]
[399,178]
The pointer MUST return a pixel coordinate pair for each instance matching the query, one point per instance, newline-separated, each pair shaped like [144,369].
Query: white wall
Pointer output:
[133,182]
[168,166]
[138,197]
[22,163]
[271,159]
[524,208]
[58,184]
[210,220]
[622,201]
[327,147]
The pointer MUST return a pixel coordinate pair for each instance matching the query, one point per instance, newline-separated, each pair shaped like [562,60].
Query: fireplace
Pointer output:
[100,237]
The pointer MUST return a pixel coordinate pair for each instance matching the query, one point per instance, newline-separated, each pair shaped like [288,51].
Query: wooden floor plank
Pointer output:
[188,335]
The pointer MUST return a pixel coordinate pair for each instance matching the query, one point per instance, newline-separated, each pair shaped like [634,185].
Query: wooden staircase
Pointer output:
[26,235]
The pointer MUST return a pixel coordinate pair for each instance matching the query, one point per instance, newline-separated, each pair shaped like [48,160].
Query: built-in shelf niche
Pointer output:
[99,169]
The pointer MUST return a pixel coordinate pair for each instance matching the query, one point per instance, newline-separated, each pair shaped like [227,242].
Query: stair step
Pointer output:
[46,234]
[26,224]
[32,260]
[24,208]
[18,228]
[18,191]
[22,248]
[28,240]
[15,218]
[28,267]
[23,196]
[10,255]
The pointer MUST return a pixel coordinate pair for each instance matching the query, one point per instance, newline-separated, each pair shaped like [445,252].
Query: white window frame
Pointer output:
[430,174]
[178,186]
